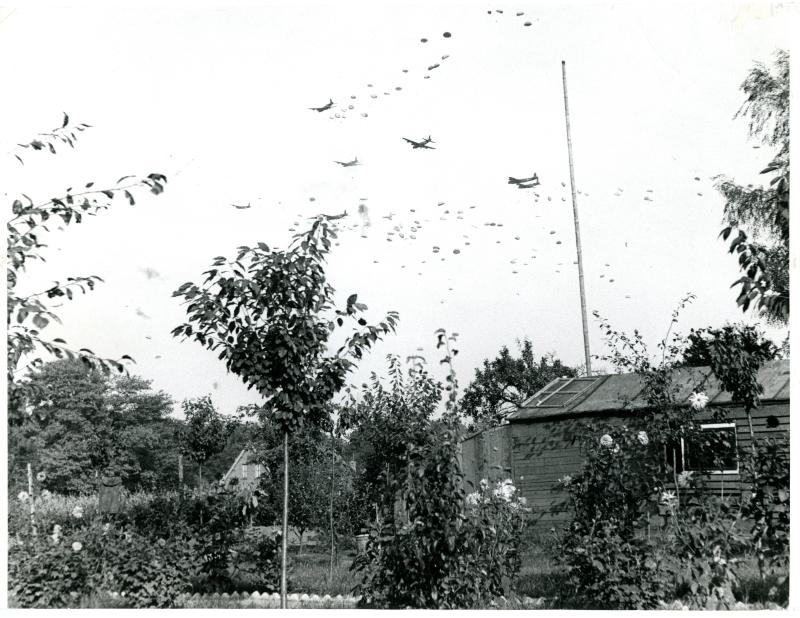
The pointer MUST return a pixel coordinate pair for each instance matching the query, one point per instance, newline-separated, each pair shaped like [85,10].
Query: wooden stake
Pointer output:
[30,499]
[577,227]
[285,547]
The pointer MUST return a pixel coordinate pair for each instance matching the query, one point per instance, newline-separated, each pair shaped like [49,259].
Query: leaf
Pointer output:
[66,120]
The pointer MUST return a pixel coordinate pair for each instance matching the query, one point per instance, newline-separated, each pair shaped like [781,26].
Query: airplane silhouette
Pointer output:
[240,207]
[519,181]
[348,163]
[423,144]
[325,107]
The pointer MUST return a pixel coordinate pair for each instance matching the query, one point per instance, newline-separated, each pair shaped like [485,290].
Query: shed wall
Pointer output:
[487,455]
[544,451]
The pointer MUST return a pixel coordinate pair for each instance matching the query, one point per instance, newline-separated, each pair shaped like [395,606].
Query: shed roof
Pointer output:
[623,392]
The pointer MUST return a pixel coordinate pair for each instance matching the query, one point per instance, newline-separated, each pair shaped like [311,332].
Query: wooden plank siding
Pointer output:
[542,451]
[486,455]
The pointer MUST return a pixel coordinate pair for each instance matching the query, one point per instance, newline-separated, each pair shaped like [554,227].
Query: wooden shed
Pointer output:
[542,433]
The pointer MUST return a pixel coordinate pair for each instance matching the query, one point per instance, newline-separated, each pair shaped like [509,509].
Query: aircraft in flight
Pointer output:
[324,108]
[421,144]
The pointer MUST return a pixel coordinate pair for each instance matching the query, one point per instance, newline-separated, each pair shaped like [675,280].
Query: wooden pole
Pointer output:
[333,488]
[284,549]
[577,226]
[30,499]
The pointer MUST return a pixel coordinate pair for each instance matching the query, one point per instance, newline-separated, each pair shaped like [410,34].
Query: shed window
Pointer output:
[244,471]
[561,392]
[713,451]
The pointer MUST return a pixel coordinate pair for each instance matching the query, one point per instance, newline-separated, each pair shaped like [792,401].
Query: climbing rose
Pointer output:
[698,401]
[606,440]
[41,476]
[23,496]
[668,498]
[77,512]
[642,437]
[76,546]
[45,494]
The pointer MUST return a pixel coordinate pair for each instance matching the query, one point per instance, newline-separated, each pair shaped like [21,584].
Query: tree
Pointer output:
[760,215]
[385,423]
[205,432]
[505,382]
[308,474]
[83,424]
[27,316]
[271,314]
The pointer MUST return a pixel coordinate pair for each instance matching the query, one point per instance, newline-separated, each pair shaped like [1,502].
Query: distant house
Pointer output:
[244,472]
[538,444]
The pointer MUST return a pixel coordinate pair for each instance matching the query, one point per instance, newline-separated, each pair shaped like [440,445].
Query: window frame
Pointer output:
[703,427]
[590,380]
[245,470]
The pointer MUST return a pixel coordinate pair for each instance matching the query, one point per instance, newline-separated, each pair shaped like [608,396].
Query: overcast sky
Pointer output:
[217,99]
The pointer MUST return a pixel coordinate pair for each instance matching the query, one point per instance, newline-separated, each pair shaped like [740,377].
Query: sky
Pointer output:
[218,100]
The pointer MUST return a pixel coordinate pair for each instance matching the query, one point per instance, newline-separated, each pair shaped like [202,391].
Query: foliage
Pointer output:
[53,571]
[84,424]
[385,423]
[309,475]
[505,382]
[451,553]
[28,316]
[205,432]
[626,487]
[735,353]
[763,212]
[268,312]
[768,506]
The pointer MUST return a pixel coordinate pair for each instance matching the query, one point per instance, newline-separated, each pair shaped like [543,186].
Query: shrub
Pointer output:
[451,553]
[58,570]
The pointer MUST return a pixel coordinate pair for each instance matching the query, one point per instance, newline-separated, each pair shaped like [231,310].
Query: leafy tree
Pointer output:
[27,316]
[308,475]
[761,214]
[505,382]
[385,423]
[735,353]
[271,314]
[205,432]
[83,424]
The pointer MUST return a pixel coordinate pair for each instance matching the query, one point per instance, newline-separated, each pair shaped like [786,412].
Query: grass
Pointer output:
[310,574]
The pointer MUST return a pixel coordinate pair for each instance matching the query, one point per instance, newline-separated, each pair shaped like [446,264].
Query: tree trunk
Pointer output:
[284,547]
[180,471]
[200,475]
[333,485]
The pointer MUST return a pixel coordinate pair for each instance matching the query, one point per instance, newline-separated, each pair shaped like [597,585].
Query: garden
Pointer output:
[362,502]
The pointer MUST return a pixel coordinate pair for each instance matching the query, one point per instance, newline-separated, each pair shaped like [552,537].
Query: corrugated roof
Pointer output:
[624,392]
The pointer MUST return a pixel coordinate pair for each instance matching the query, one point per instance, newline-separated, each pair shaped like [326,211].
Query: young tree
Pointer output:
[505,382]
[205,432]
[270,314]
[385,423]
[27,316]
[761,214]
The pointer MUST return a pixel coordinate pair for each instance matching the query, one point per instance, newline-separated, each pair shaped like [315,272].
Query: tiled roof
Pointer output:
[624,392]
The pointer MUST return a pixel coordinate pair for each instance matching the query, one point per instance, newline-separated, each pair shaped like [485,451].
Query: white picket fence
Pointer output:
[306,601]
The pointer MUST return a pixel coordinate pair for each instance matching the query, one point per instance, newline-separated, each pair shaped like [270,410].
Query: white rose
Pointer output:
[606,440]
[23,496]
[698,401]
[642,437]
[77,512]
[76,546]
